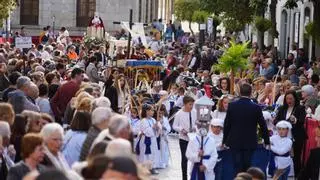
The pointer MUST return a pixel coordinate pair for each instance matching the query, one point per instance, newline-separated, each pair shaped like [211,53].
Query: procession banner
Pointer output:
[136,31]
[23,42]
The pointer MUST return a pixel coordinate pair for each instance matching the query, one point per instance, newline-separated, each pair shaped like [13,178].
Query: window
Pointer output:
[29,12]
[85,11]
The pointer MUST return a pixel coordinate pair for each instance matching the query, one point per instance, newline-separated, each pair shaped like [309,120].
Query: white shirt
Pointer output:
[182,121]
[193,61]
[281,146]
[179,102]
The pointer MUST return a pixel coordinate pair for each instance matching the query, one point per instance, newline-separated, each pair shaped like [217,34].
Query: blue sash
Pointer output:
[158,141]
[272,164]
[137,148]
[147,142]
[196,173]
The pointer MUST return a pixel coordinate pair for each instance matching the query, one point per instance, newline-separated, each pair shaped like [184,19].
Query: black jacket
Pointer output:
[298,130]
[241,123]
[311,170]
[112,95]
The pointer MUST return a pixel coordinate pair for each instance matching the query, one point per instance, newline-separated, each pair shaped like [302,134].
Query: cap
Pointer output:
[284,124]
[217,122]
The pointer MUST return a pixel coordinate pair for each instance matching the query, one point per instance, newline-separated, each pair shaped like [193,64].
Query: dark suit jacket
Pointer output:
[311,170]
[240,125]
[298,130]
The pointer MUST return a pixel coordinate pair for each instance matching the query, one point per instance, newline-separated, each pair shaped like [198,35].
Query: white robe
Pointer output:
[217,139]
[135,127]
[147,130]
[162,161]
[209,148]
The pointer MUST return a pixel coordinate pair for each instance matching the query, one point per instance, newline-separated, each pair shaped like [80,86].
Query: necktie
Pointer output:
[190,122]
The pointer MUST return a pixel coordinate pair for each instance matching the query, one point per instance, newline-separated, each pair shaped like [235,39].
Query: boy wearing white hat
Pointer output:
[217,134]
[281,145]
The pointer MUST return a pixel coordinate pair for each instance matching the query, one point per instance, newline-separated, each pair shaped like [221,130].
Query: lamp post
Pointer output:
[203,106]
[53,24]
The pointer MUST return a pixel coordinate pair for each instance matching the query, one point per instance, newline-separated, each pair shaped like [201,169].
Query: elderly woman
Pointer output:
[52,134]
[34,121]
[32,154]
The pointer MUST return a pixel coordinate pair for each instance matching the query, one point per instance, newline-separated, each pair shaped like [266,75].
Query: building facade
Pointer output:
[291,27]
[76,14]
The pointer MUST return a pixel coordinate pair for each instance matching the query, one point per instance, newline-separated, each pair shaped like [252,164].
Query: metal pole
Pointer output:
[129,38]
[7,30]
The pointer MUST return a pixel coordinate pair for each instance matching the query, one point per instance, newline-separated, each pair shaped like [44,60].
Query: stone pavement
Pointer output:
[173,172]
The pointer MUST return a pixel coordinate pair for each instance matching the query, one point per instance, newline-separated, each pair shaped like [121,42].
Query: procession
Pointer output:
[140,101]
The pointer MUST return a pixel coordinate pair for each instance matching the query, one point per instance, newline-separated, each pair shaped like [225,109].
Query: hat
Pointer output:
[284,124]
[267,115]
[125,165]
[292,66]
[217,122]
[163,93]
[308,89]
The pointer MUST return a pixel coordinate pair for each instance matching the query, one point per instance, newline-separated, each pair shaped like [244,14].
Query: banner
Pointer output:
[136,32]
[23,42]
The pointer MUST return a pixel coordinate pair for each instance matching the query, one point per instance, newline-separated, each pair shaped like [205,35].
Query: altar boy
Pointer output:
[281,146]
[202,153]
[217,134]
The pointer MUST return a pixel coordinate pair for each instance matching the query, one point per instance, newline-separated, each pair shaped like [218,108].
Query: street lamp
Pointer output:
[53,24]
[203,106]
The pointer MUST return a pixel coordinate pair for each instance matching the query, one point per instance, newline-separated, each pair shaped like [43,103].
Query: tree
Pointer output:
[5,7]
[261,25]
[200,16]
[234,59]
[184,10]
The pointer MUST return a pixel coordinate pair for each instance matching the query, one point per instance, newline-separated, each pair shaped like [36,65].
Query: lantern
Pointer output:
[204,106]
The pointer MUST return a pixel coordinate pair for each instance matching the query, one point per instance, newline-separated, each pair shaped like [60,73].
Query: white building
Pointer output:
[75,14]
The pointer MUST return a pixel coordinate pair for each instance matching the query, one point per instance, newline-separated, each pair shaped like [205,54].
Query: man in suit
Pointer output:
[240,129]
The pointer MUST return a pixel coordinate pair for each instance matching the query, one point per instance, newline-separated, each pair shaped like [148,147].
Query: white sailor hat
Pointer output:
[284,124]
[266,115]
[217,122]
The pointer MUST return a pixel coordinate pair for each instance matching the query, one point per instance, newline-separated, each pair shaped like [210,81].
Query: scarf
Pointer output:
[58,161]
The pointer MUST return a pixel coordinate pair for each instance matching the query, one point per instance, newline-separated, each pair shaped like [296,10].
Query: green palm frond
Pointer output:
[235,58]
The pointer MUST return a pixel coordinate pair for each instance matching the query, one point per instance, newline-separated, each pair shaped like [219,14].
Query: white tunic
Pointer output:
[162,161]
[135,127]
[281,146]
[146,127]
[217,139]
[209,148]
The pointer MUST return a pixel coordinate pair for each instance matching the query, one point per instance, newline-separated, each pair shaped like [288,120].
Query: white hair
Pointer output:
[100,115]
[5,129]
[101,102]
[49,129]
[117,123]
[119,147]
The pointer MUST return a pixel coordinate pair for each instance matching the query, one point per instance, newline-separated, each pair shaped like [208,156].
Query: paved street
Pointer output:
[173,172]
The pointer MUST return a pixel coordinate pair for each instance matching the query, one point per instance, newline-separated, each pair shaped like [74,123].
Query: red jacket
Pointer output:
[62,97]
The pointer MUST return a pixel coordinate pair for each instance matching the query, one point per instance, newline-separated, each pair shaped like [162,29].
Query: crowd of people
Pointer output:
[57,120]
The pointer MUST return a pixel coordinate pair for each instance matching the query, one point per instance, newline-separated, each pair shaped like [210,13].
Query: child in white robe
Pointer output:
[162,161]
[135,125]
[217,134]
[148,141]
[208,154]
[281,146]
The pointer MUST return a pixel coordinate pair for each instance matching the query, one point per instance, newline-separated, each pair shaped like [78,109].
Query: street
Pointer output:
[173,172]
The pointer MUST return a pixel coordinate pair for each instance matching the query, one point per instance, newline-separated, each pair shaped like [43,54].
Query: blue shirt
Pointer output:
[72,145]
